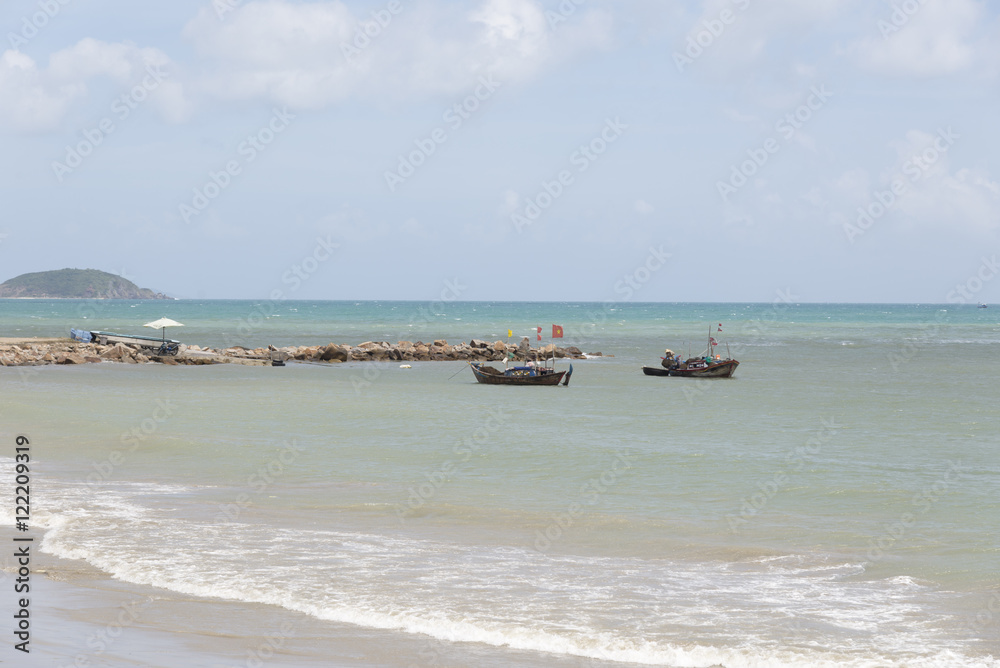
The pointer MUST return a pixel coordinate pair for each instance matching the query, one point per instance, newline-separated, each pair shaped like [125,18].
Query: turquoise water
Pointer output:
[837,503]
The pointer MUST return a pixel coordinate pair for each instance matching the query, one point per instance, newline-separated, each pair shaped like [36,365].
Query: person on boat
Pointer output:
[668,359]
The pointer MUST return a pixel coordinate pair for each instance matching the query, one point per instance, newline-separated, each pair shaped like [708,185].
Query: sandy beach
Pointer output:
[83,618]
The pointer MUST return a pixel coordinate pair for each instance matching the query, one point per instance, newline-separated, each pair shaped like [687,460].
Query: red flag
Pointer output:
[557,331]
[720,327]
[712,341]
[539,333]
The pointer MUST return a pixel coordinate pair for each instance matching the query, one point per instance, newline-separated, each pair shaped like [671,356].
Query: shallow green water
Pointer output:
[836,502]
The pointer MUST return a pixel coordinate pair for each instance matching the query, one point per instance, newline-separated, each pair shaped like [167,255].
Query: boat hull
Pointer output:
[500,379]
[724,369]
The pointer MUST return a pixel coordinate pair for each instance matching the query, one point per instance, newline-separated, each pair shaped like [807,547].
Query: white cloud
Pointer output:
[413,227]
[643,207]
[312,55]
[935,39]
[922,191]
[309,55]
[511,203]
[37,99]
[736,34]
[27,99]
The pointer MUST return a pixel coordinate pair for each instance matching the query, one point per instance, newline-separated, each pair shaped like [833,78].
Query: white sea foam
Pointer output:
[791,610]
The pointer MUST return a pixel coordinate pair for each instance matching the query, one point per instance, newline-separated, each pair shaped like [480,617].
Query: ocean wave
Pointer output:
[626,610]
[781,611]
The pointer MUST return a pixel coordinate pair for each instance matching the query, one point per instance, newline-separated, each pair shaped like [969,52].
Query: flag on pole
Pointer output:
[557,332]
[712,341]
[720,327]
[539,333]
[510,333]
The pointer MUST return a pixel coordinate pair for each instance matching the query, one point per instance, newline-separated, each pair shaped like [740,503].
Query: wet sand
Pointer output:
[82,618]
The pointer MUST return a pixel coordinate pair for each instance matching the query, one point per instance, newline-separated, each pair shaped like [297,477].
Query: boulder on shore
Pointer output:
[335,352]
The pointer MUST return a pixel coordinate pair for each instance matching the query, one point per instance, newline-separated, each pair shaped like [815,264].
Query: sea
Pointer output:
[836,503]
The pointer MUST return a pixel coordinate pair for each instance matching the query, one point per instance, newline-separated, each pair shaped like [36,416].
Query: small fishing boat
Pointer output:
[705,366]
[520,375]
[696,367]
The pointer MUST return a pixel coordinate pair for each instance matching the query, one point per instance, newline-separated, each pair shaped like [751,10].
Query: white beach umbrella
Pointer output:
[163,323]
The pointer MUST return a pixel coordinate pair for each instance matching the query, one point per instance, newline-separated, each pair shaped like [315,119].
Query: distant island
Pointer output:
[74,284]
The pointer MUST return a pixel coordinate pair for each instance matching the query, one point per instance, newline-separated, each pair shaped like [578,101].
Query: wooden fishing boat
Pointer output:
[706,366]
[520,375]
[696,368]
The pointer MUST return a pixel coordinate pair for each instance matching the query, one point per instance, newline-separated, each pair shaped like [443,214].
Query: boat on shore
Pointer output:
[161,346]
[520,375]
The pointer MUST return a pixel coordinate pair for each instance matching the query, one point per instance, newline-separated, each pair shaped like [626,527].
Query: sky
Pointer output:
[551,150]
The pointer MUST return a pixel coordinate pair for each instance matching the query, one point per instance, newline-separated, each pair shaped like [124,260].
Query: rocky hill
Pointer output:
[74,284]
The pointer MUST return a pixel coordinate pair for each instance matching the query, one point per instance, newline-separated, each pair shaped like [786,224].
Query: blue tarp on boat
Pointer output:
[80,335]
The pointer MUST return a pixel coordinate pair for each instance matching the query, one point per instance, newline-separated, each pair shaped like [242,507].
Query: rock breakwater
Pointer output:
[66,351]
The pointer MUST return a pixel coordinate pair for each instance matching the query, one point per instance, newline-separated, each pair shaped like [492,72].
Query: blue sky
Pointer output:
[722,150]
